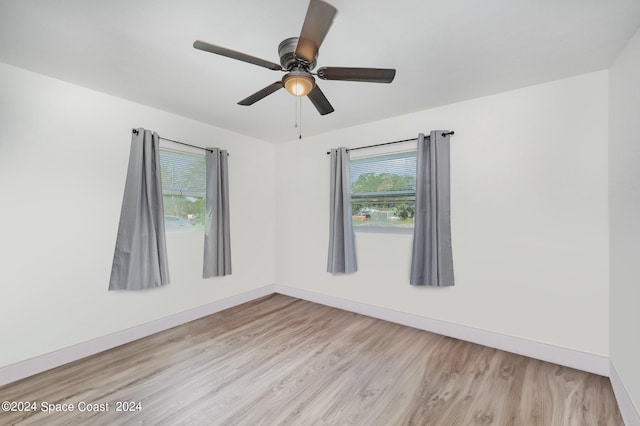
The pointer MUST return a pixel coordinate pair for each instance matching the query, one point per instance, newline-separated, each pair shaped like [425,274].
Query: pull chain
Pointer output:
[300,117]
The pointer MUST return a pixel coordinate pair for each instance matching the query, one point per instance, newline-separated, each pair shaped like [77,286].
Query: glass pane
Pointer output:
[381,212]
[183,213]
[383,190]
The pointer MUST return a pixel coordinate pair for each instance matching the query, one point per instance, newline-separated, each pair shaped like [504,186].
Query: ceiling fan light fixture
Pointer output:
[298,83]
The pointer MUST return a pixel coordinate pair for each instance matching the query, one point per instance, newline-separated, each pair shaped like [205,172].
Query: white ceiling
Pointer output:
[444,51]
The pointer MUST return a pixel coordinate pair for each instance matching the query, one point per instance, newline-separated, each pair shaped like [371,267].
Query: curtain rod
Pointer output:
[390,143]
[135,131]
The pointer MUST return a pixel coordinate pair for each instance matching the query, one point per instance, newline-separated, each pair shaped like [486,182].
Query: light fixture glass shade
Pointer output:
[299,84]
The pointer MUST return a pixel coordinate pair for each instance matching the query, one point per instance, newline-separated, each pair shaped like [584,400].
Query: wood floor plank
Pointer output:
[280,360]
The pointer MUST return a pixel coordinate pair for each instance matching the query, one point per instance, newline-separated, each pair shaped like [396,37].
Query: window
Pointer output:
[383,191]
[183,190]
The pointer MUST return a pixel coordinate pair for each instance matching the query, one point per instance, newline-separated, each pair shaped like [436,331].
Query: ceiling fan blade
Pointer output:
[208,47]
[370,75]
[262,93]
[316,25]
[320,101]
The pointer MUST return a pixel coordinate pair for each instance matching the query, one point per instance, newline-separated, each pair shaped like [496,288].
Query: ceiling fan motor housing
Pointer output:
[288,59]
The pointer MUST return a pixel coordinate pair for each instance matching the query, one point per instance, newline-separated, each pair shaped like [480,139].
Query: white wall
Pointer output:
[624,211]
[529,213]
[529,216]
[63,160]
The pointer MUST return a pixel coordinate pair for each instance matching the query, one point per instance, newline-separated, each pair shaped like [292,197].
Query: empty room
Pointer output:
[436,221]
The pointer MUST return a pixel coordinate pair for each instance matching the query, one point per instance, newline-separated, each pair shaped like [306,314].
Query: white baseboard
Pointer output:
[571,358]
[584,361]
[29,367]
[628,409]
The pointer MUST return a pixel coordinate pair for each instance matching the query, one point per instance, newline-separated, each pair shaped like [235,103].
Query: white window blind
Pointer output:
[387,174]
[182,173]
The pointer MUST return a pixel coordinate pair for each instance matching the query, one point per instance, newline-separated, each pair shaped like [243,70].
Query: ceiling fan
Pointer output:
[298,56]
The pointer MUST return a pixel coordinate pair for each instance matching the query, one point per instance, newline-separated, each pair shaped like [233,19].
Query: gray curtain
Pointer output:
[217,240]
[342,251]
[140,258]
[432,259]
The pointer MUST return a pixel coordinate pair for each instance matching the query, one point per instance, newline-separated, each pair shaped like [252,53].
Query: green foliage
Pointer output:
[405,211]
[177,205]
[200,208]
[384,201]
[383,182]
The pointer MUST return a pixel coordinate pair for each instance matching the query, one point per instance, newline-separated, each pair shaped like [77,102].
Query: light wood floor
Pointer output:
[280,360]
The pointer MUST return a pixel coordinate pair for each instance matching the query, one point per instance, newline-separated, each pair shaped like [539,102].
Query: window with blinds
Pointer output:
[183,190]
[383,190]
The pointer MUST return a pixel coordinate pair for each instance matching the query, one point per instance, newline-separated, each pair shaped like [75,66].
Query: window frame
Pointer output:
[383,229]
[183,192]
